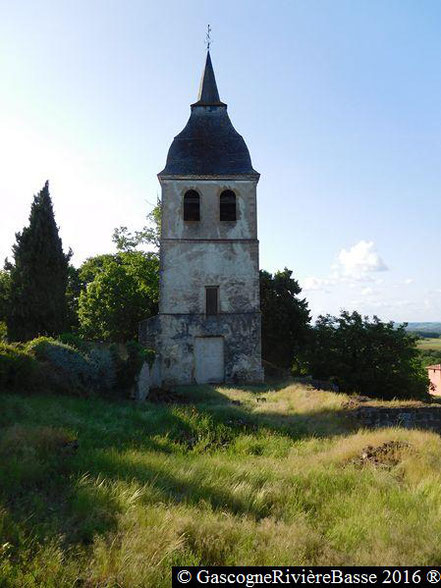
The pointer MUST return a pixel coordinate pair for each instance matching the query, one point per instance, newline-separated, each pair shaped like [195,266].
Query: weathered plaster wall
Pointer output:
[209,252]
[148,332]
[203,253]
[242,350]
[209,227]
[187,267]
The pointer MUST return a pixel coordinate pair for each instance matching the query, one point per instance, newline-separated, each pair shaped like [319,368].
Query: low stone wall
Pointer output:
[149,377]
[413,417]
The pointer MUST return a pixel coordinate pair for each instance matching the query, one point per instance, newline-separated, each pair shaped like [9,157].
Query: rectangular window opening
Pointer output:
[211,300]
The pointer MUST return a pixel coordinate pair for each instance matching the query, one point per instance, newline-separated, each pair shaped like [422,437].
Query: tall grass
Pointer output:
[271,479]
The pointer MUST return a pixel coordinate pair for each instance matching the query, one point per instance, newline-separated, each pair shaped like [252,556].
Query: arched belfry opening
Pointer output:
[208,326]
[192,206]
[227,206]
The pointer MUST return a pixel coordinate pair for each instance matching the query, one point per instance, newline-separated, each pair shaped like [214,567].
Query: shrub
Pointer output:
[72,373]
[19,371]
[56,366]
[102,364]
[76,341]
[103,369]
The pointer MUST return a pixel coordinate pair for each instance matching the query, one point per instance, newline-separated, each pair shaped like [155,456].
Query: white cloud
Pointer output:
[354,265]
[408,281]
[313,283]
[359,261]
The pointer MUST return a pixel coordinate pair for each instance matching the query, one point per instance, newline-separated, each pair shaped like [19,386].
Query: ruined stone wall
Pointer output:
[418,417]
[148,332]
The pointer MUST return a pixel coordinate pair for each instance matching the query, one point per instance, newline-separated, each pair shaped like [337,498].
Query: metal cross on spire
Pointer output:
[208,37]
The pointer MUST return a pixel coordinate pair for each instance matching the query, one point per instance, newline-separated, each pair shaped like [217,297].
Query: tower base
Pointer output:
[200,349]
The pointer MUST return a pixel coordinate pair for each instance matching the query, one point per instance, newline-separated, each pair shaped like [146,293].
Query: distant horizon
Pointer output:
[436,324]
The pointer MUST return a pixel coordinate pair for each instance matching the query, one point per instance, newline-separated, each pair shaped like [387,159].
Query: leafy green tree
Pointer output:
[285,318]
[92,267]
[118,291]
[73,291]
[5,294]
[430,356]
[38,275]
[149,235]
[426,334]
[75,284]
[367,356]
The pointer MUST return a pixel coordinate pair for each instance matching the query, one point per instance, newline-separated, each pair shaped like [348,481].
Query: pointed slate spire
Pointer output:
[208,93]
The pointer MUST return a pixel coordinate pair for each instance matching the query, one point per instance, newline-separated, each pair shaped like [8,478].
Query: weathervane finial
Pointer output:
[208,37]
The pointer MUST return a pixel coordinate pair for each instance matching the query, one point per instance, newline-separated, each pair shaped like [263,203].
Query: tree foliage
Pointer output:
[149,235]
[73,291]
[38,275]
[430,356]
[118,291]
[19,371]
[426,334]
[5,294]
[367,356]
[285,318]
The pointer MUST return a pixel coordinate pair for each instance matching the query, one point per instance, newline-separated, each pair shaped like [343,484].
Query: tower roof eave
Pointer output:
[252,176]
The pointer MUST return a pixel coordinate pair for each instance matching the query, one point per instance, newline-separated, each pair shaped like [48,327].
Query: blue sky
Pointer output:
[338,101]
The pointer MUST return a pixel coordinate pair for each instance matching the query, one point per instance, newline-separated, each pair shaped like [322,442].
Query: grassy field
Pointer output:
[427,344]
[95,493]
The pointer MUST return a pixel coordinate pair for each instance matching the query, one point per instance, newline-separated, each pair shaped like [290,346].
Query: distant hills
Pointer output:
[425,329]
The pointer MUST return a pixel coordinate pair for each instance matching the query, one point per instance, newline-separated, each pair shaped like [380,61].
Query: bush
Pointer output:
[51,365]
[72,373]
[19,371]
[76,341]
[103,368]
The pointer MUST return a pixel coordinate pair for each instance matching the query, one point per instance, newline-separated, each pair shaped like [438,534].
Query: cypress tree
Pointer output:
[38,275]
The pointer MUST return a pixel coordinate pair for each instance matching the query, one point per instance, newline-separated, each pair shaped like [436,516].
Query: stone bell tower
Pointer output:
[208,327]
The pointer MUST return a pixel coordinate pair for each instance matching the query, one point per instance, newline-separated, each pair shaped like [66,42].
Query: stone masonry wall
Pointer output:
[409,417]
